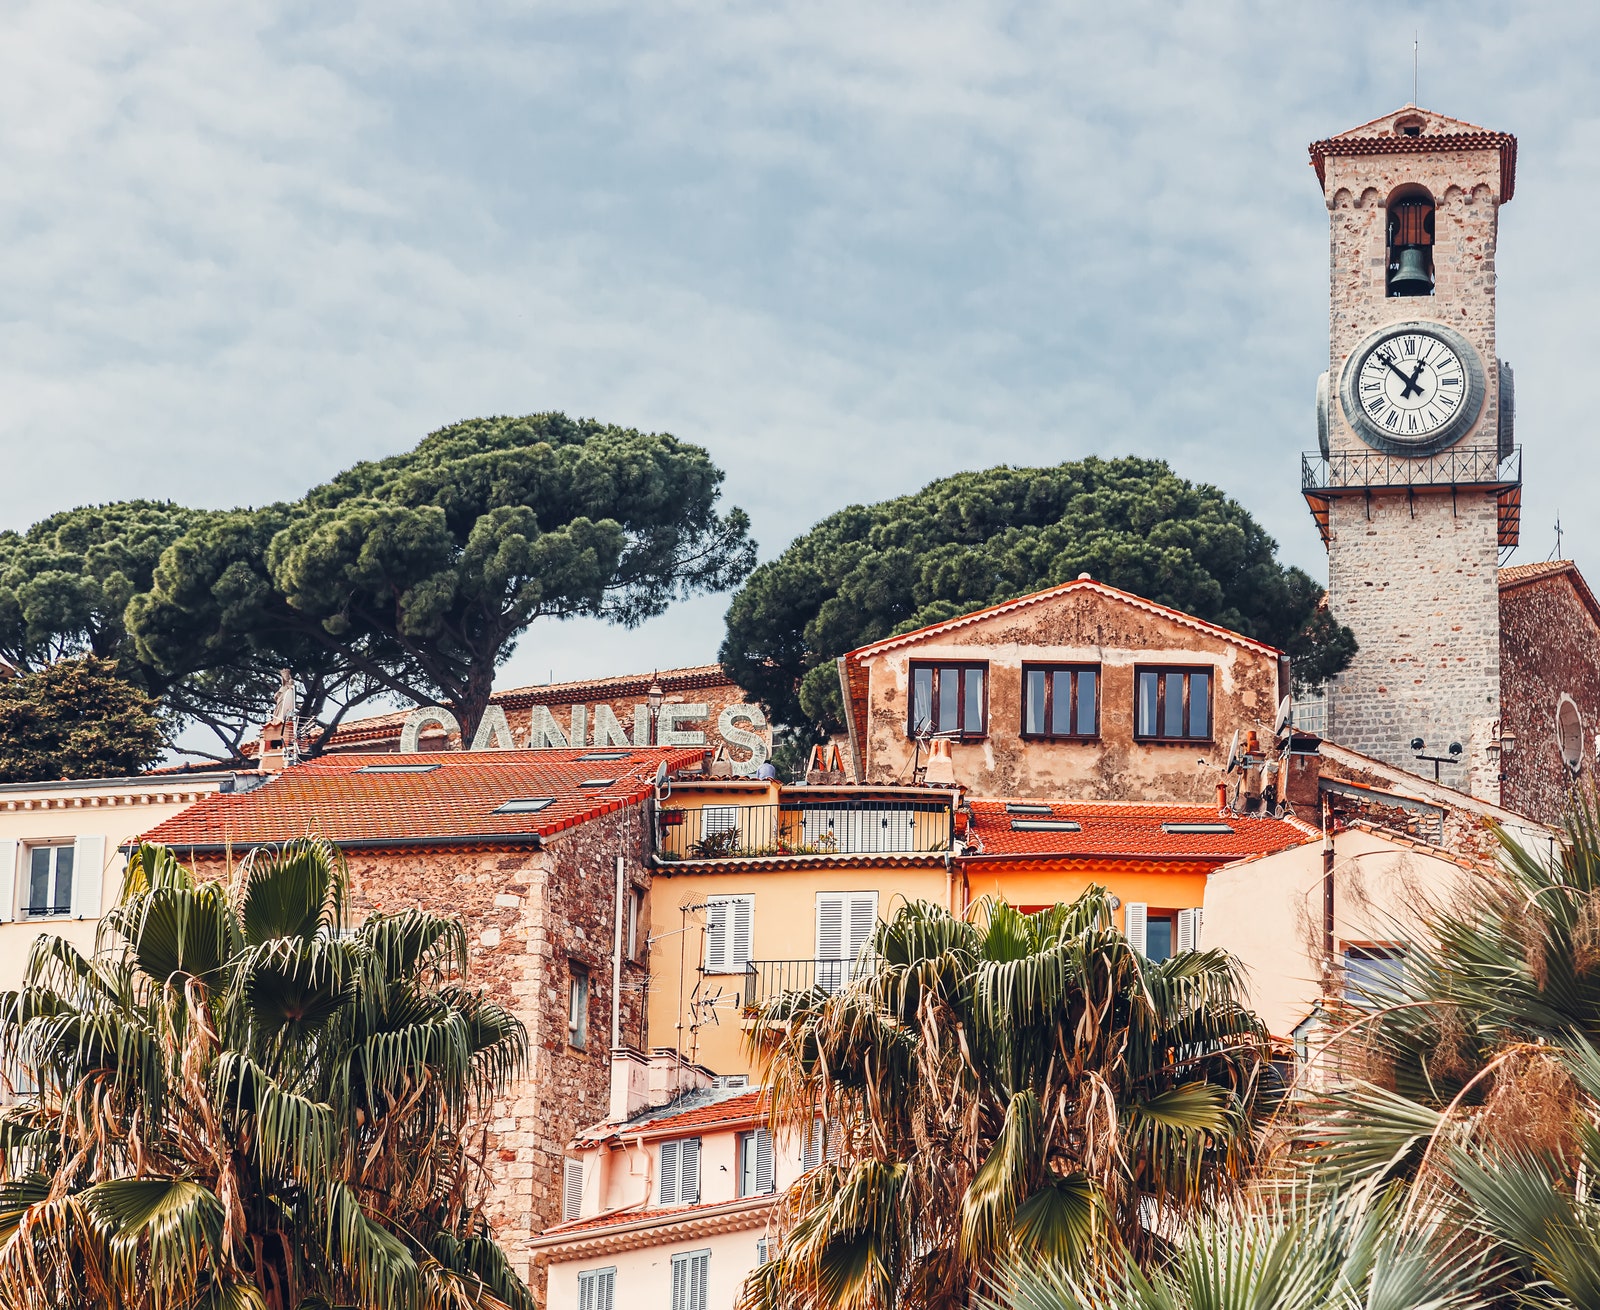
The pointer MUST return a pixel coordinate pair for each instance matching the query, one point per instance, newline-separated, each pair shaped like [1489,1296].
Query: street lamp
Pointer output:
[655,696]
[1453,757]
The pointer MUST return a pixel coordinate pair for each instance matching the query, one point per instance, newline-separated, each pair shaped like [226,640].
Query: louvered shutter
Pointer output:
[763,1145]
[863,919]
[743,930]
[1133,920]
[811,1148]
[680,1282]
[571,1189]
[669,1173]
[830,939]
[717,937]
[605,1289]
[761,1251]
[689,1170]
[1189,930]
[701,1265]
[586,1291]
[11,899]
[88,869]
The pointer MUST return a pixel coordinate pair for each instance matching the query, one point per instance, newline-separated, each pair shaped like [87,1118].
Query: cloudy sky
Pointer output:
[847,246]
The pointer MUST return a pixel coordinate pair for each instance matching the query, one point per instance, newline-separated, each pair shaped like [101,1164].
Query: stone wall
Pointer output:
[1548,649]
[1418,583]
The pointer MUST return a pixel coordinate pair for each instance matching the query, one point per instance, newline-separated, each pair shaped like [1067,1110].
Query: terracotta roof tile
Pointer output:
[1126,831]
[736,1109]
[337,797]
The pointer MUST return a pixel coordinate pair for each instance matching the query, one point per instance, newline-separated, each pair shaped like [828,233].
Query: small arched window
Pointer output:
[1410,243]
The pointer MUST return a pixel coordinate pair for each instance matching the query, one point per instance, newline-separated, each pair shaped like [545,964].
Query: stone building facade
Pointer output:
[536,890]
[1549,687]
[1117,649]
[1414,527]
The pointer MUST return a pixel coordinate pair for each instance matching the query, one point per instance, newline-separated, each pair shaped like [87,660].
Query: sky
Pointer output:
[848,247]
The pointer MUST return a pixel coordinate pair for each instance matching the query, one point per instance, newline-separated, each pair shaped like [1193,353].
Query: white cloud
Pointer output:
[849,247]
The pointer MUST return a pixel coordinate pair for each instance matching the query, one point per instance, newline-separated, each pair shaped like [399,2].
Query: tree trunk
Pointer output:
[469,707]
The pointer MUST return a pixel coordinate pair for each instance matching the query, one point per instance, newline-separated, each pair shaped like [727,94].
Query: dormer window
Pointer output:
[1410,243]
[1410,125]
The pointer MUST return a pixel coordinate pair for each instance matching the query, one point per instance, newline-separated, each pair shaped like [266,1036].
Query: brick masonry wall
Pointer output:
[530,916]
[1418,584]
[1548,645]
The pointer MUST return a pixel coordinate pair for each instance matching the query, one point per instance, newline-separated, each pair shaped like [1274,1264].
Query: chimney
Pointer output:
[1302,774]
[273,755]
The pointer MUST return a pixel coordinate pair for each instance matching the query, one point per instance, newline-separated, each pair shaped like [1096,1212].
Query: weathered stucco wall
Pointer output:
[1078,627]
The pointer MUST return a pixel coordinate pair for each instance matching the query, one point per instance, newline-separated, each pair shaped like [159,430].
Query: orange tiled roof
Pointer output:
[338,797]
[756,1204]
[1520,575]
[1113,830]
[736,1109]
[1456,134]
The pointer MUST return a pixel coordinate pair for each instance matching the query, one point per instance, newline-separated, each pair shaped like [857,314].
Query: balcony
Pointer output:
[1461,468]
[832,827]
[766,979]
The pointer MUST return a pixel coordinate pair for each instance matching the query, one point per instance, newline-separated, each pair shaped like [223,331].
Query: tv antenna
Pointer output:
[1416,62]
[1556,553]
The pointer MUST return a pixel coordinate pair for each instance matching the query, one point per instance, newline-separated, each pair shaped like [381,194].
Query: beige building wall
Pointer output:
[1269,913]
[93,818]
[644,1272]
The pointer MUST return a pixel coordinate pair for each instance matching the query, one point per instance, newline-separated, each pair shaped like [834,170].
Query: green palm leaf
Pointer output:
[164,1230]
[293,891]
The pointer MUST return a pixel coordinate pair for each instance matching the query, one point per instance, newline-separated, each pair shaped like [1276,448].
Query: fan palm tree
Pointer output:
[241,1102]
[1010,1083]
[1480,1090]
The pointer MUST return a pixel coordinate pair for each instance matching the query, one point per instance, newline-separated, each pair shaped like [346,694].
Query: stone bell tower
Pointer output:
[1416,486]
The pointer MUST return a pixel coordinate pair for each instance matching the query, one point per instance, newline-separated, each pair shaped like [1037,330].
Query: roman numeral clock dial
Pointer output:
[1412,388]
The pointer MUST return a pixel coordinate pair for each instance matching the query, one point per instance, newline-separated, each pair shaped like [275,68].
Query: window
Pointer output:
[578,1006]
[761,1251]
[525,805]
[571,1189]
[1158,934]
[1373,974]
[1173,705]
[597,1289]
[49,889]
[680,1171]
[716,819]
[635,913]
[689,1280]
[729,923]
[1060,700]
[949,699]
[755,1163]
[821,1142]
[845,921]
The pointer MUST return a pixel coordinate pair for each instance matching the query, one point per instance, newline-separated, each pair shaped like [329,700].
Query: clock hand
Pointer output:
[1411,382]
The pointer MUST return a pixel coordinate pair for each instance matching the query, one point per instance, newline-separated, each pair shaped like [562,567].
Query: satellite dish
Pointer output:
[661,774]
[1285,711]
[1233,752]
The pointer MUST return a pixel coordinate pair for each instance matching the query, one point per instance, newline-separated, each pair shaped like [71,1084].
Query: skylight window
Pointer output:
[595,756]
[1028,809]
[525,805]
[1196,828]
[1045,825]
[397,768]
[597,782]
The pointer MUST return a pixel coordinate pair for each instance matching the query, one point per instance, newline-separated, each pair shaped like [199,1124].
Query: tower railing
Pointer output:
[1362,472]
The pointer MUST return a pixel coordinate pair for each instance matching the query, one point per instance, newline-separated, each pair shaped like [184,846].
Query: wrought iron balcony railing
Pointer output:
[1370,470]
[765,979]
[842,827]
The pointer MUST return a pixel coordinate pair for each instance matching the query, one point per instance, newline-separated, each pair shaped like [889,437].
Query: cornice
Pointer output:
[657,1230]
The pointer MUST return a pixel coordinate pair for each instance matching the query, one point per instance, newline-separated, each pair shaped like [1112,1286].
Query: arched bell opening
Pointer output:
[1410,243]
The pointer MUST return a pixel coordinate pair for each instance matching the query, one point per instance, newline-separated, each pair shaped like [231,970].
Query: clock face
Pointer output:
[1411,386]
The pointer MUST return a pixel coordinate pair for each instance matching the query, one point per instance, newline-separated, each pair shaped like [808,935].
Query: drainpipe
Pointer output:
[1327,897]
[616,964]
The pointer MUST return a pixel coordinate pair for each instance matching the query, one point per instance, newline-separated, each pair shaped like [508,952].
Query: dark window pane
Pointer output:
[921,699]
[949,701]
[64,856]
[1157,938]
[1061,702]
[974,715]
[1172,708]
[39,878]
[1199,704]
[1148,682]
[1373,974]
[1087,724]
[1033,701]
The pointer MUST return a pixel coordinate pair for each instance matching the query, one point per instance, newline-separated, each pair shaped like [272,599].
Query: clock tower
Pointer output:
[1416,485]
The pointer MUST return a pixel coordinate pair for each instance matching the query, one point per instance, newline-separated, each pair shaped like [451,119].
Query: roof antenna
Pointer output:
[1416,62]
[1556,553]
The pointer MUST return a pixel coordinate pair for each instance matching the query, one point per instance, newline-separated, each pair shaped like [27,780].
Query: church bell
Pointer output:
[1412,277]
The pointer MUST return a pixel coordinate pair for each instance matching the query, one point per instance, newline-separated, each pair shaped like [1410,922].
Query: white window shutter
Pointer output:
[606,1299]
[863,919]
[763,1160]
[740,939]
[11,898]
[811,1148]
[680,1283]
[702,1270]
[1189,930]
[689,1170]
[669,1173]
[571,1189]
[88,870]
[1133,921]
[717,937]
[586,1291]
[830,926]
